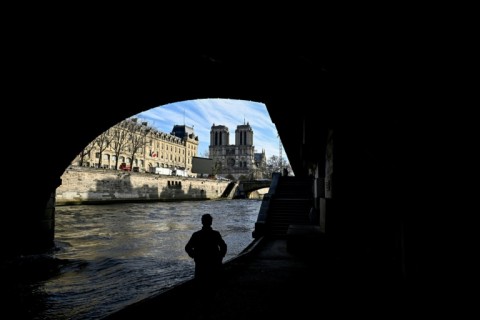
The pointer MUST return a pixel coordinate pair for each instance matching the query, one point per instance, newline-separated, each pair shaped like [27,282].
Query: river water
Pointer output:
[114,255]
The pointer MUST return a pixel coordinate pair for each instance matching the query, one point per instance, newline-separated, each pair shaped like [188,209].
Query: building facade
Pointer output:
[239,159]
[133,145]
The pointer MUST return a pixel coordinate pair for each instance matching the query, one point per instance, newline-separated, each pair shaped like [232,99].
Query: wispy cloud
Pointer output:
[203,113]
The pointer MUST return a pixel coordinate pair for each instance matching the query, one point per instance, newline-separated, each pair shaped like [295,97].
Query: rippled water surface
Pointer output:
[115,255]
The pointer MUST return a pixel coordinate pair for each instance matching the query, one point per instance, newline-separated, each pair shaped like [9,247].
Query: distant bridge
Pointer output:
[245,187]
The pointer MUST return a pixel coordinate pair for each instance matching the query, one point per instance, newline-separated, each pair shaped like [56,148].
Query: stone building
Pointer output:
[134,145]
[239,159]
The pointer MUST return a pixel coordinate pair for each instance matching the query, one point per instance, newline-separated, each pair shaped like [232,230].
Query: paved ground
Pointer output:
[272,282]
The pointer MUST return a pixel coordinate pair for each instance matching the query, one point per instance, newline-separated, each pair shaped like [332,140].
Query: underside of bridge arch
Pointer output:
[308,94]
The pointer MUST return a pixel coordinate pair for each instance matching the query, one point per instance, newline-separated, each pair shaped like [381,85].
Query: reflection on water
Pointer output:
[110,256]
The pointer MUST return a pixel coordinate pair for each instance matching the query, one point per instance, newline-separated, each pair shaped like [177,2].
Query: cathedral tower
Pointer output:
[237,159]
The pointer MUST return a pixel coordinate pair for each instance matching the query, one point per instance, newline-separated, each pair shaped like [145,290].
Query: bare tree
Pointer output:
[217,167]
[86,151]
[137,136]
[103,142]
[119,141]
[274,164]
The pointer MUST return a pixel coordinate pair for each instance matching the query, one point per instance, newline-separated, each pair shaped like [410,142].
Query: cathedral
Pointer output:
[239,159]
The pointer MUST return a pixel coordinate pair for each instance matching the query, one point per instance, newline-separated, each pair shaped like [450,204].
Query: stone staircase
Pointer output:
[290,205]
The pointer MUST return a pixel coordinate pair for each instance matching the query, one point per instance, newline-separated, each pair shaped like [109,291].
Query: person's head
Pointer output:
[207,219]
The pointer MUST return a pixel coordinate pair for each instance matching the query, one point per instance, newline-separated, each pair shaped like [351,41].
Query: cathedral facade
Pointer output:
[239,159]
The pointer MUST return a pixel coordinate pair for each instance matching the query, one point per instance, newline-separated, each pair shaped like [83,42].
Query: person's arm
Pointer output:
[222,245]
[189,247]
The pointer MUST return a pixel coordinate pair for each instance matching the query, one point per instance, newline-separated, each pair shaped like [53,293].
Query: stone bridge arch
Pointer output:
[244,188]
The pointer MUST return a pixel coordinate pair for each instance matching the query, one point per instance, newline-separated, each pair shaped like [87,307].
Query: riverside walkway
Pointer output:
[270,280]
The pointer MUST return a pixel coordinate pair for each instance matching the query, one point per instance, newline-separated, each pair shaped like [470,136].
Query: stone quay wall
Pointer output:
[82,185]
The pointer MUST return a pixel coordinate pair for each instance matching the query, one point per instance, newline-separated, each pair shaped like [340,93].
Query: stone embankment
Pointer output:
[96,186]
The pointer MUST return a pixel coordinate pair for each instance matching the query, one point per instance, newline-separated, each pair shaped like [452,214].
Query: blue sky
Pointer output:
[203,113]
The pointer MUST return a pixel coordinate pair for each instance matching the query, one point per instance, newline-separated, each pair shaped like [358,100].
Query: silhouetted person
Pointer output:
[207,248]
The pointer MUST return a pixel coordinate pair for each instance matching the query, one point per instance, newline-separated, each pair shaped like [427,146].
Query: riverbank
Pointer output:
[266,281]
[273,281]
[81,185]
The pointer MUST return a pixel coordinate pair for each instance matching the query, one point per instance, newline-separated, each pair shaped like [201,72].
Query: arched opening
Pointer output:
[302,135]
[173,184]
[173,130]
